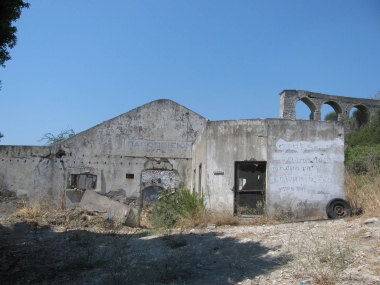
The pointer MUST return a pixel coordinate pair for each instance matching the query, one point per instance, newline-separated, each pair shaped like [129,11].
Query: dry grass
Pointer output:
[220,218]
[363,193]
[206,217]
[34,209]
[318,256]
[226,217]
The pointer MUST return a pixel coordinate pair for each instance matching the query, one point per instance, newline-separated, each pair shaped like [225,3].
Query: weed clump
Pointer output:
[177,207]
[319,256]
[34,209]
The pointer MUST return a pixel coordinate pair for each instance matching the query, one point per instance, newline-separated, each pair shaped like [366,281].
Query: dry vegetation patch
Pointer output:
[83,247]
[363,193]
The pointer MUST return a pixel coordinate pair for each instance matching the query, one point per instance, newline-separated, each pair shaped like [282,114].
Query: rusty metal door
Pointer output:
[250,187]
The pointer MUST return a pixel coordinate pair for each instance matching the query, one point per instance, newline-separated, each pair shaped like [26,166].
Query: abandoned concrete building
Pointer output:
[253,166]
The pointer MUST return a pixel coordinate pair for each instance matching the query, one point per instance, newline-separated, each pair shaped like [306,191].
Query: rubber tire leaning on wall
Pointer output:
[338,208]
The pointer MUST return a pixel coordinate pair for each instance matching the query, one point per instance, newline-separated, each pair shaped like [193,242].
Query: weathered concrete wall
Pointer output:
[156,136]
[199,165]
[305,167]
[315,101]
[165,145]
[26,170]
[228,142]
[304,163]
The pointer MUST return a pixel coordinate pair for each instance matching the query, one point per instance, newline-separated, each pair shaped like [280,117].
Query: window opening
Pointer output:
[83,181]
[129,175]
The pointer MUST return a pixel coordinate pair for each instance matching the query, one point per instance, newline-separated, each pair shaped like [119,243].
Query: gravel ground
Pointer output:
[80,247]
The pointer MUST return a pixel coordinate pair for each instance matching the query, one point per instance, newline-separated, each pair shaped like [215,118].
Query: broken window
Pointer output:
[83,181]
[251,176]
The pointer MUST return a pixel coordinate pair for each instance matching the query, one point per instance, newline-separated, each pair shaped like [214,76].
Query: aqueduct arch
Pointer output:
[315,101]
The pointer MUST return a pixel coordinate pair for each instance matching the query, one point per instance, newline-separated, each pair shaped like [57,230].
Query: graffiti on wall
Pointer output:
[305,168]
[159,148]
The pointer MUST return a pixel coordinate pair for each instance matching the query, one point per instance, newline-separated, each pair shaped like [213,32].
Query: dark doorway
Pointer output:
[250,184]
[150,194]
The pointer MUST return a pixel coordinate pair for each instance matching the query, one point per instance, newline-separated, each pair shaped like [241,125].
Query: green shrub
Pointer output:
[363,159]
[363,148]
[366,136]
[175,207]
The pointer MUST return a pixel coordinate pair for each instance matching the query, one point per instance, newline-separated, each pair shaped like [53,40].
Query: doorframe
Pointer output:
[236,183]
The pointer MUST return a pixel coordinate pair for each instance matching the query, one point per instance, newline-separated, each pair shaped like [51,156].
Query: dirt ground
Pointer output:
[81,247]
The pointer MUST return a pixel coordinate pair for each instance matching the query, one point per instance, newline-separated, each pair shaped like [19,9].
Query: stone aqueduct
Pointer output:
[341,105]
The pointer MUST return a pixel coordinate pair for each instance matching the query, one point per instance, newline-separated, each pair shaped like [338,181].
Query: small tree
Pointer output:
[10,11]
[331,116]
[51,139]
[366,136]
[358,119]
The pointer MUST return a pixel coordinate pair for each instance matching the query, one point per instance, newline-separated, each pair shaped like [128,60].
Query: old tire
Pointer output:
[338,208]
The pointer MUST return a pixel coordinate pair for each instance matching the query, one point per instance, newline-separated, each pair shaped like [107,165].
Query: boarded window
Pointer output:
[83,181]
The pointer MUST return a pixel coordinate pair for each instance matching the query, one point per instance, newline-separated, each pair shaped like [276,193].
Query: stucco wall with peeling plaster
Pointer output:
[165,145]
[305,167]
[156,136]
[304,163]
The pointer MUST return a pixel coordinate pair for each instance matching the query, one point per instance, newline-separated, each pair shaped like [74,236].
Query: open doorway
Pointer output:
[250,187]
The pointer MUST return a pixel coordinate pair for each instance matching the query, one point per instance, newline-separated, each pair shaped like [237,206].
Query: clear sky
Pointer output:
[79,63]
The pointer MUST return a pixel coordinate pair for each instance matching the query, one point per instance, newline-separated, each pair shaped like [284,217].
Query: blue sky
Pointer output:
[79,63]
